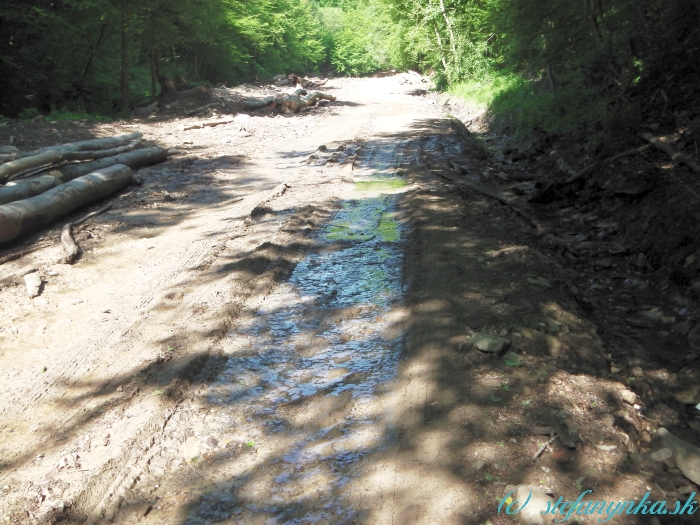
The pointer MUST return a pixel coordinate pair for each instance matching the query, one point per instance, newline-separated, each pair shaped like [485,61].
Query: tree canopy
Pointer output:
[549,64]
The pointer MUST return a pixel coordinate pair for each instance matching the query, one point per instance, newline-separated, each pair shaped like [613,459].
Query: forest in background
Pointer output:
[541,65]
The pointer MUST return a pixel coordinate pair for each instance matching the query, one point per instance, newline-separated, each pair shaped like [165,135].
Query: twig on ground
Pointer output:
[543,448]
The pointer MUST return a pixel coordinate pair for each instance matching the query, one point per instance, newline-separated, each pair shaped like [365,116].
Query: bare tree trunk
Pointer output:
[30,214]
[449,28]
[92,54]
[442,53]
[154,78]
[125,65]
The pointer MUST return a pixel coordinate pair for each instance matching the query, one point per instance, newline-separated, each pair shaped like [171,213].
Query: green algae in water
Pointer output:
[388,228]
[380,185]
[364,220]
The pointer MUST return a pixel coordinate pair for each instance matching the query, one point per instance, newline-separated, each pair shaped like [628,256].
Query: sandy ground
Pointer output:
[307,362]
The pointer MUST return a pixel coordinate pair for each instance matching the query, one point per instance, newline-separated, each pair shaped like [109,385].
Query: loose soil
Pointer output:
[268,331]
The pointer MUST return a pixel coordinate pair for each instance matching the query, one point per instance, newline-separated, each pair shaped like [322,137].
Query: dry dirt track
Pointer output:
[303,363]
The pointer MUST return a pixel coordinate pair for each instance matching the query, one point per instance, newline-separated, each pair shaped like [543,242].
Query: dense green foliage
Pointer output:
[551,65]
[67,54]
[544,64]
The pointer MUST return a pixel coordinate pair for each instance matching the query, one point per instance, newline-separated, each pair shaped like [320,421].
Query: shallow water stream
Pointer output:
[302,383]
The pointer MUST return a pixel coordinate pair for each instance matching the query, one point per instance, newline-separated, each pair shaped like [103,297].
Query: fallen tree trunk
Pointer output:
[201,109]
[24,189]
[288,102]
[296,102]
[15,167]
[292,79]
[86,145]
[74,155]
[199,90]
[251,104]
[30,214]
[52,155]
[78,155]
[146,110]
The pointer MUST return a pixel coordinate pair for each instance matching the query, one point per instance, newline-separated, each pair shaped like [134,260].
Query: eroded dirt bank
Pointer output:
[265,332]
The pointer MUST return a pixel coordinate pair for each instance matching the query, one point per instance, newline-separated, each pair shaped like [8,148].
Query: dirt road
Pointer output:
[267,333]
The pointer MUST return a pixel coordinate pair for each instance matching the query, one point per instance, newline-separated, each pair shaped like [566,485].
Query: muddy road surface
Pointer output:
[274,328]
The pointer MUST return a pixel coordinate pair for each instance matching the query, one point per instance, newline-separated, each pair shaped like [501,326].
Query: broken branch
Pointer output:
[207,124]
[590,168]
[72,249]
[543,448]
[668,149]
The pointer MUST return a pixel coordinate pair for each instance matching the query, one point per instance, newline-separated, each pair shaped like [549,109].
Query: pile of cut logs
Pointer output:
[38,187]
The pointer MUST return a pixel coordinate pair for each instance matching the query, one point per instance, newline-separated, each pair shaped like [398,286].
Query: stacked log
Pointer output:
[49,188]
[29,214]
[26,188]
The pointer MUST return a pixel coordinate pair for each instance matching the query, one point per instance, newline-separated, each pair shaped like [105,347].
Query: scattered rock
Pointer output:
[552,326]
[603,263]
[685,455]
[682,328]
[605,448]
[488,343]
[33,284]
[553,345]
[512,358]
[689,395]
[628,396]
[637,372]
[694,336]
[615,370]
[531,514]
[526,332]
[539,281]
[661,454]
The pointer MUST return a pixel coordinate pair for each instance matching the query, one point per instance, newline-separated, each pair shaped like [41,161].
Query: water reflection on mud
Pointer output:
[305,371]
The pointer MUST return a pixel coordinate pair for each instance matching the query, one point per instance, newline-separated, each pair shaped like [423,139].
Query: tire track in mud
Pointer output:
[79,367]
[107,489]
[81,364]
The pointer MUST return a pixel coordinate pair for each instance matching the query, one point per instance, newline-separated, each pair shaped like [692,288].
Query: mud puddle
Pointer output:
[298,403]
